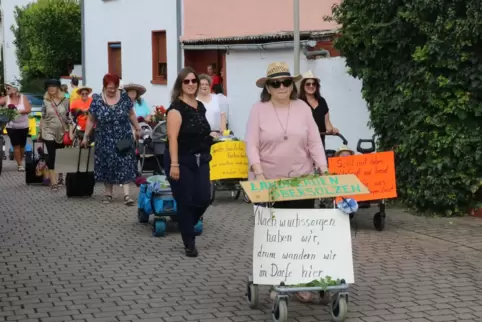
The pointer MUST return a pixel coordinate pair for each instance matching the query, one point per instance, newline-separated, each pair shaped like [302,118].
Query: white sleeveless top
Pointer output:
[213,112]
[21,121]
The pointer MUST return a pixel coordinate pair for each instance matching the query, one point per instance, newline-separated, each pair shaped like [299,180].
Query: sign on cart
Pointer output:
[297,246]
[229,160]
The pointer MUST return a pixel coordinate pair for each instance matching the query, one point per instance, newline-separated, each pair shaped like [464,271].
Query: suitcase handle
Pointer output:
[88,160]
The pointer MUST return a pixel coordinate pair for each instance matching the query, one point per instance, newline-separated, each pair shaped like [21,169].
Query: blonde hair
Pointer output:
[64,88]
[206,77]
[60,95]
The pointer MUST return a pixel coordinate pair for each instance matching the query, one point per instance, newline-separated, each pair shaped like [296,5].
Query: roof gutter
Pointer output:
[266,46]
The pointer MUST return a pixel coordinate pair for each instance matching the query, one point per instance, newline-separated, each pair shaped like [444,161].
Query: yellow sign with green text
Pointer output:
[311,187]
[229,161]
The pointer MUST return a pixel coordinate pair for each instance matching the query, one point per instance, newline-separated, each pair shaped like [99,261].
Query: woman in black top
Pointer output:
[187,156]
[310,93]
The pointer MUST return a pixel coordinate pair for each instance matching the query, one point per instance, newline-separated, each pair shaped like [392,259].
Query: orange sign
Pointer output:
[376,171]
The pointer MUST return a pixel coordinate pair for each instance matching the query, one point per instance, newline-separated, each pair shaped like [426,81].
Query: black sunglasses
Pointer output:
[277,84]
[189,81]
[313,83]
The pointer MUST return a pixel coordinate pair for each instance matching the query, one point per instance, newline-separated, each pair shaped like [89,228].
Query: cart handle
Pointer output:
[363,150]
[345,141]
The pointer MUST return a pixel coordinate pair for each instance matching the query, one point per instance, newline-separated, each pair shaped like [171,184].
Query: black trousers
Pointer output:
[52,147]
[191,191]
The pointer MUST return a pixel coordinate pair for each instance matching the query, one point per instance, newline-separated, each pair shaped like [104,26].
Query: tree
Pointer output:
[420,62]
[47,37]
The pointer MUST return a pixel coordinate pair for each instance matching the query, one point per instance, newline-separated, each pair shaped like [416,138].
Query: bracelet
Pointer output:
[175,165]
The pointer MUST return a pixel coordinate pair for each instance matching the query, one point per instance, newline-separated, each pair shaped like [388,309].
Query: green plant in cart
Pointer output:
[324,283]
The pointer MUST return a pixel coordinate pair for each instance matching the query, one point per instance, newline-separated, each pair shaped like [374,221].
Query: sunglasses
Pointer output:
[277,84]
[189,81]
[84,94]
[311,84]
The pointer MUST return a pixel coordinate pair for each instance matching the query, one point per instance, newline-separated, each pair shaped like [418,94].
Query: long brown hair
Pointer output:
[302,95]
[177,89]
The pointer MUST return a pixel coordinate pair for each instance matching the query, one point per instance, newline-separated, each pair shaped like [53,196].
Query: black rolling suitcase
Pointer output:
[31,165]
[80,184]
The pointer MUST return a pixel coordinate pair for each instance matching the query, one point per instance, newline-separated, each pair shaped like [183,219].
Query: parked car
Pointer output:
[36,100]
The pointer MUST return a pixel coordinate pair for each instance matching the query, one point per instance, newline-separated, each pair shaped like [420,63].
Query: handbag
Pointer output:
[66,140]
[124,146]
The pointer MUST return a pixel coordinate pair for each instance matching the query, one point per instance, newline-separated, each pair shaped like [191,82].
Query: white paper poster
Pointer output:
[298,246]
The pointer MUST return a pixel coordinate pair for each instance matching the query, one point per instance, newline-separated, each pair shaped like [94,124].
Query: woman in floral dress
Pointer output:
[115,159]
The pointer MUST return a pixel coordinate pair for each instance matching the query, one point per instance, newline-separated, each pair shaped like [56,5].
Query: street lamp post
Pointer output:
[82,24]
[296,34]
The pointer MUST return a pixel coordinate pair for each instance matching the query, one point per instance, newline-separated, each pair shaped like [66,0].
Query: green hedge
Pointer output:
[420,62]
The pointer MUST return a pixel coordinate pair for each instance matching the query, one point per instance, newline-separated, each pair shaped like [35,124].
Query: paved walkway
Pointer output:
[66,260]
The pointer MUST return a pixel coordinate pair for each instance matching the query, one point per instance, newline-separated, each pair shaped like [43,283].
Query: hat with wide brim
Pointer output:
[141,90]
[309,75]
[275,71]
[344,148]
[13,84]
[84,88]
[52,83]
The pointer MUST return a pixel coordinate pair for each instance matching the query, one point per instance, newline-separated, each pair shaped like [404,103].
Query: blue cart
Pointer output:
[159,201]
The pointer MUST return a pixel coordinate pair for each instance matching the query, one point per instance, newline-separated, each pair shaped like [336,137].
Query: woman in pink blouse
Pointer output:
[282,139]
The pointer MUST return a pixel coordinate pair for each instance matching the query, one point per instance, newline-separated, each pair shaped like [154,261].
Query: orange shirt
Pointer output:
[79,104]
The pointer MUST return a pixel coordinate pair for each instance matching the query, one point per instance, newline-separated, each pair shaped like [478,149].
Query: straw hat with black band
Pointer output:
[141,90]
[309,75]
[342,149]
[83,88]
[277,70]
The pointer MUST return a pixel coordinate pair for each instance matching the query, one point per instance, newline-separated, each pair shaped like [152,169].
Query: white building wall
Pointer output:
[131,23]
[348,110]
[11,68]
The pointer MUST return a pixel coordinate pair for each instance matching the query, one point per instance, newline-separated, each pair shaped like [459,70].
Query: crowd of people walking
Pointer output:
[282,137]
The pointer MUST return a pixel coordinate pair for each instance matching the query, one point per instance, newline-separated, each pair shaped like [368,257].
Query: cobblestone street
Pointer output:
[78,260]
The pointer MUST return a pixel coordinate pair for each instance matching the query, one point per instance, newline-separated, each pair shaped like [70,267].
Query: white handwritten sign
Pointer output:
[298,246]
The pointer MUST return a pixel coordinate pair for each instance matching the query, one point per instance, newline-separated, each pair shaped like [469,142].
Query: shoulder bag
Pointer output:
[67,141]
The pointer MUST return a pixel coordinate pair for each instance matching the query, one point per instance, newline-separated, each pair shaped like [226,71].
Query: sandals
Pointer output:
[128,201]
[54,188]
[107,199]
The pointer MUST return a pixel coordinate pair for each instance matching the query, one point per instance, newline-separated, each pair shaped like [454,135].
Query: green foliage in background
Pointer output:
[420,62]
[48,38]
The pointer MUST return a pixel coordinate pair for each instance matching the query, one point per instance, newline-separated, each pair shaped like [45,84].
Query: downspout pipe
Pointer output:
[272,45]
[179,22]
[82,27]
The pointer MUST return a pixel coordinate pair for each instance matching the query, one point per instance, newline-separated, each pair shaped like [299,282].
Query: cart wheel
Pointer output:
[252,294]
[142,217]
[198,228]
[280,311]
[246,198]
[235,194]
[213,192]
[339,309]
[159,228]
[379,221]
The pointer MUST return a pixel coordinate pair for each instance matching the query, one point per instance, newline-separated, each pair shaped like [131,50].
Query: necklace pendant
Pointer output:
[286,137]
